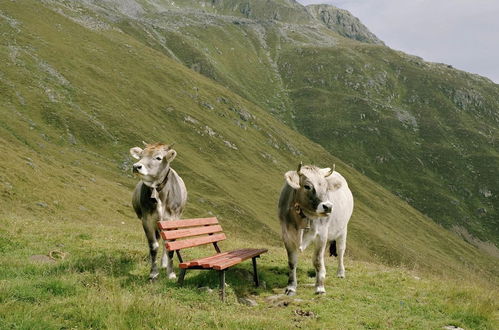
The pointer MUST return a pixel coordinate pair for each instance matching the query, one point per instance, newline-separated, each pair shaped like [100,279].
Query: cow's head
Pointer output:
[154,161]
[312,186]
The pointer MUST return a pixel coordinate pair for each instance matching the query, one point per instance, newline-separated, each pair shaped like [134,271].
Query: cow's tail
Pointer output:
[332,249]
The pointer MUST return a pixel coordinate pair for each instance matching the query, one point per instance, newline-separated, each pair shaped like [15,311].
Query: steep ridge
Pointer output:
[75,99]
[343,22]
[423,130]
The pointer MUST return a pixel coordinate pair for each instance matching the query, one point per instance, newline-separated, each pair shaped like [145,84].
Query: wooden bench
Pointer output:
[187,233]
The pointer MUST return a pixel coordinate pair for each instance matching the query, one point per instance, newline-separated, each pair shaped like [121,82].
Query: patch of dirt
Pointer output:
[302,313]
[41,259]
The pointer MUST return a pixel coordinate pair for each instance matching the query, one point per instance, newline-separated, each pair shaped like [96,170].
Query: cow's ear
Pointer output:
[293,179]
[333,183]
[170,155]
[136,152]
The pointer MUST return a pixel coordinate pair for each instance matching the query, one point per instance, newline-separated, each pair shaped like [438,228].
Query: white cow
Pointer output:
[160,195]
[315,206]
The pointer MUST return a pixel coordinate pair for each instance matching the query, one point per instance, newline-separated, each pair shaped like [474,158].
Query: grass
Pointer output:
[102,283]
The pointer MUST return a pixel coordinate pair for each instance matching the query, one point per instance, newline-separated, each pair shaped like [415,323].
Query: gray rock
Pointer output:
[247,301]
[230,145]
[279,300]
[191,120]
[205,289]
[42,204]
[343,22]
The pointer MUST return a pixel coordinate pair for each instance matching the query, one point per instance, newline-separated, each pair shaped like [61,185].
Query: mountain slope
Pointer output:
[388,114]
[75,100]
[425,131]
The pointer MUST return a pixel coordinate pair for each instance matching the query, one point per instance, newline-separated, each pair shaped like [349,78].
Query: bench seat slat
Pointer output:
[195,262]
[174,224]
[229,256]
[224,260]
[191,242]
[205,260]
[233,258]
[206,263]
[193,231]
[199,261]
[236,260]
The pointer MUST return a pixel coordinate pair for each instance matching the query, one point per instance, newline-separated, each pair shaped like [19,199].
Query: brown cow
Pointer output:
[160,195]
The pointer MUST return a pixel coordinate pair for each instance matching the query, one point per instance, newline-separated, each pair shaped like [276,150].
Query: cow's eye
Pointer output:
[307,187]
[159,158]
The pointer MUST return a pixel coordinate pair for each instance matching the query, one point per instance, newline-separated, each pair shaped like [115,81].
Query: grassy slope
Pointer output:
[427,132]
[74,101]
[390,114]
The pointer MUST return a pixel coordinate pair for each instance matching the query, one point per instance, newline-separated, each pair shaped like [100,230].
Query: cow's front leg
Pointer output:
[341,243]
[318,261]
[292,263]
[167,257]
[149,226]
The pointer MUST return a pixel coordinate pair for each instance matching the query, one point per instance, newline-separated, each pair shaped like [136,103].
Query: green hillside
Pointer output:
[76,94]
[425,131]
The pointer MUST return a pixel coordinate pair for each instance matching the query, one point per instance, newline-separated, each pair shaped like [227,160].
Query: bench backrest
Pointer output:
[178,234]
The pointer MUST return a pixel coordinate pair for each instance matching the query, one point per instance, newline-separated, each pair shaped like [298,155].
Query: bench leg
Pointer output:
[222,284]
[181,276]
[255,274]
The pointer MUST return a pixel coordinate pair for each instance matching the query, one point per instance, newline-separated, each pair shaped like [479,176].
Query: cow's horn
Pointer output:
[299,167]
[331,171]
[145,143]
[170,146]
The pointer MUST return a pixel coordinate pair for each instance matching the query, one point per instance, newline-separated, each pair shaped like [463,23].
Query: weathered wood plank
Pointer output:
[175,224]
[187,232]
[191,242]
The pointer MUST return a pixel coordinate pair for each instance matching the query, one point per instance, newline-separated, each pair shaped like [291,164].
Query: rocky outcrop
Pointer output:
[343,22]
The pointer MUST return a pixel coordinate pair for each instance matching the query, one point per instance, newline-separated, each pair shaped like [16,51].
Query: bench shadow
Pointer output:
[124,266]
[240,279]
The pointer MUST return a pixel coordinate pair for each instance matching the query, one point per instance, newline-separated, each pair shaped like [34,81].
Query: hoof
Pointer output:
[340,275]
[172,276]
[320,290]
[289,292]
[153,277]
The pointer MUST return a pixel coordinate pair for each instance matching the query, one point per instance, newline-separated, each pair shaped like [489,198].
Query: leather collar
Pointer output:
[302,216]
[163,183]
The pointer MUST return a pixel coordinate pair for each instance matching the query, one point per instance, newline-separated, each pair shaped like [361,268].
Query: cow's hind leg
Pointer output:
[341,246]
[292,263]
[318,261]
[149,226]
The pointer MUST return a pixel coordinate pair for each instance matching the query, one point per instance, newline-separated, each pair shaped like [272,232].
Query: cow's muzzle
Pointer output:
[136,168]
[325,208]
